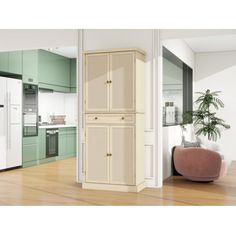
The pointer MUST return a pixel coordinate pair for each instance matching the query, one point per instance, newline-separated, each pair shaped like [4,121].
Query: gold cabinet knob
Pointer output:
[95,118]
[122,118]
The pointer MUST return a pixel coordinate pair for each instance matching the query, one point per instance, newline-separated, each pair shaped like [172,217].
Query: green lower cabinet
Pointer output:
[62,143]
[71,142]
[67,142]
[42,144]
[34,148]
[30,151]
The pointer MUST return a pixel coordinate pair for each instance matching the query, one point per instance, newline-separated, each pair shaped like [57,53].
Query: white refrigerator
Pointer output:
[10,123]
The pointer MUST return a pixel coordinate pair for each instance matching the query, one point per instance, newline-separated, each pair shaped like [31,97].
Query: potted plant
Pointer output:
[204,117]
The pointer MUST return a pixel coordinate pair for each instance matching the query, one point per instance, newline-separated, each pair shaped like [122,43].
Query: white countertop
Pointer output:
[56,126]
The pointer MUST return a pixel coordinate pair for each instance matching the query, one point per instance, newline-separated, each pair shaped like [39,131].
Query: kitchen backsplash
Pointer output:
[58,104]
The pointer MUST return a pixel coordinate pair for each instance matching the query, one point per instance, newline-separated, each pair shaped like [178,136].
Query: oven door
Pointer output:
[30,127]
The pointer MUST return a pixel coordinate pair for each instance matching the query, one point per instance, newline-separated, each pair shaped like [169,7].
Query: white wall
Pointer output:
[58,104]
[172,135]
[143,39]
[11,40]
[217,72]
[181,50]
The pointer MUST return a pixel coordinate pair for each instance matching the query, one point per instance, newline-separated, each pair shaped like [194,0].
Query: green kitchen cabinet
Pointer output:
[4,61]
[30,151]
[30,66]
[67,142]
[73,75]
[62,144]
[15,62]
[42,144]
[71,142]
[54,88]
[53,70]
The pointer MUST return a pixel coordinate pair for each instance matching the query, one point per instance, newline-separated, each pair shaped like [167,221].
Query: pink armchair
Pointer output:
[199,164]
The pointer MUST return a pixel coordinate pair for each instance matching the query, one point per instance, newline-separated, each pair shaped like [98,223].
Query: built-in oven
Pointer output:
[30,110]
[51,142]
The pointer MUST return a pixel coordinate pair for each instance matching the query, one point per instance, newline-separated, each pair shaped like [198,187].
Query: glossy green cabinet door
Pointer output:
[62,142]
[73,75]
[71,144]
[15,62]
[67,142]
[54,69]
[30,66]
[4,61]
[30,150]
[42,143]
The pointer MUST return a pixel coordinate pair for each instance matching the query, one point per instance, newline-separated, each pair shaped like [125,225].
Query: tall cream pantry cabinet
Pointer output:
[114,120]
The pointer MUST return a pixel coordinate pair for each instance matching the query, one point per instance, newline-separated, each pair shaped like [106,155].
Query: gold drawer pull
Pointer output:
[122,118]
[95,118]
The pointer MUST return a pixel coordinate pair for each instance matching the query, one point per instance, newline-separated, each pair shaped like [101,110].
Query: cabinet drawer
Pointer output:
[108,118]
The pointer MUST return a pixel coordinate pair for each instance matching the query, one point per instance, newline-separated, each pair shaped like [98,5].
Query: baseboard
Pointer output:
[114,187]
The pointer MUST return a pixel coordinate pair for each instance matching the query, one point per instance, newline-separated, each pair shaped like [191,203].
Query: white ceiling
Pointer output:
[70,52]
[212,43]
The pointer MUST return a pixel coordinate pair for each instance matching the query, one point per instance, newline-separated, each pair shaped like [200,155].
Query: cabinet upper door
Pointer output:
[4,61]
[122,85]
[97,148]
[122,159]
[15,62]
[96,84]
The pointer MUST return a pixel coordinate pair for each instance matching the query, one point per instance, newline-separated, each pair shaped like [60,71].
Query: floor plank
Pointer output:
[54,184]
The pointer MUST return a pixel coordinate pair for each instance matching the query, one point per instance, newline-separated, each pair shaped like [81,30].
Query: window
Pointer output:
[177,88]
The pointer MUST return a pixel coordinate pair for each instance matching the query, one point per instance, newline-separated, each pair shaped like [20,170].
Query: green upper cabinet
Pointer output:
[15,62]
[4,61]
[73,75]
[30,66]
[54,70]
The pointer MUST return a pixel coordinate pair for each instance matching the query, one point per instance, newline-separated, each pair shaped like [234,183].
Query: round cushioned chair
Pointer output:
[199,164]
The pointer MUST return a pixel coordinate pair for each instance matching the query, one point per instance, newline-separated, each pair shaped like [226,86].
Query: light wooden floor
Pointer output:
[54,184]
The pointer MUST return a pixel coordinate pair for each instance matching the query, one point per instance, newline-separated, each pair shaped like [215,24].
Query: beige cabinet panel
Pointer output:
[122,159]
[96,86]
[97,148]
[122,82]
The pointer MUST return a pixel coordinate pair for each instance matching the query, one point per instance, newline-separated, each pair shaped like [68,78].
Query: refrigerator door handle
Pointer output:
[8,120]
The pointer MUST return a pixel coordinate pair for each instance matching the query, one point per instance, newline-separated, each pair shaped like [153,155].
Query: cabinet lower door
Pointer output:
[122,86]
[122,159]
[96,84]
[97,148]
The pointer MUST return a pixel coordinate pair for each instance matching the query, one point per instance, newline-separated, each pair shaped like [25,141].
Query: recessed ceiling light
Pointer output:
[52,49]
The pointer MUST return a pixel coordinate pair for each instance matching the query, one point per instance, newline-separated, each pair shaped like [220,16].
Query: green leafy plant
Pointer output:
[204,118]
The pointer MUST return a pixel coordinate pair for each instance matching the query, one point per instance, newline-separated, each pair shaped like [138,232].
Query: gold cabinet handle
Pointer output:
[122,118]
[109,154]
[109,81]
[95,118]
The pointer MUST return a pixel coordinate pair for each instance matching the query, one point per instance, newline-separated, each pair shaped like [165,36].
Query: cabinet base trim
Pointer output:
[113,187]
